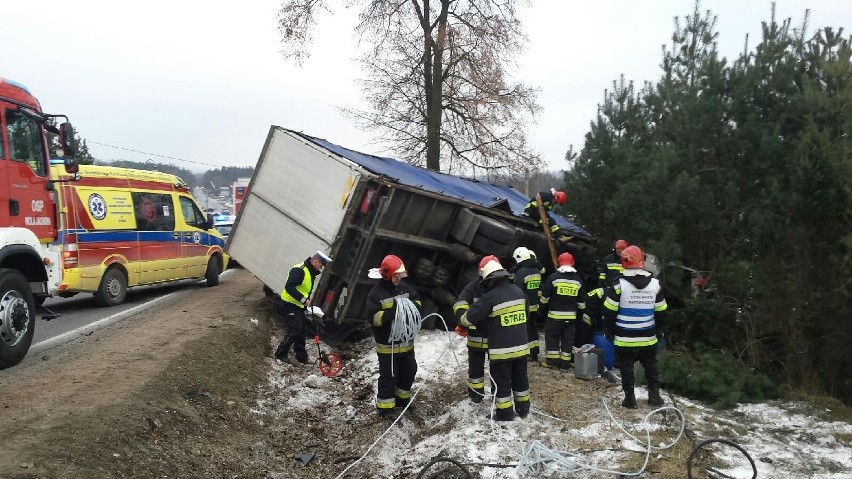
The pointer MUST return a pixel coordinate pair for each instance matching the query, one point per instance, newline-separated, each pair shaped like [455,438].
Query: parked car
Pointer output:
[223,224]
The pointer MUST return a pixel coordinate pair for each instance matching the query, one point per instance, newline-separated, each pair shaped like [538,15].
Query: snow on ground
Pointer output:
[782,438]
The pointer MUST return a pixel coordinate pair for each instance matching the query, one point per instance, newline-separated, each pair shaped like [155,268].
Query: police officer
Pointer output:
[634,309]
[502,312]
[397,363]
[528,278]
[562,296]
[477,341]
[294,300]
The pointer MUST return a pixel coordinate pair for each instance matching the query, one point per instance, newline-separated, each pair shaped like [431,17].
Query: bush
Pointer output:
[717,378]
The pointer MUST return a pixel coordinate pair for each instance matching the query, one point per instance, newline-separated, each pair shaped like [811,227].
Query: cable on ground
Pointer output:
[721,441]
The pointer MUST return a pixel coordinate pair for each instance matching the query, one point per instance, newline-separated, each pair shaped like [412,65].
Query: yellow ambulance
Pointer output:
[121,227]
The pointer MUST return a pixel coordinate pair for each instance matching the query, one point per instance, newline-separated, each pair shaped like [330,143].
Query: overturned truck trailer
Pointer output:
[307,194]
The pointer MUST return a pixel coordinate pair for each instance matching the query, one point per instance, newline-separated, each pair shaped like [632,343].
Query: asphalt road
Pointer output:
[80,315]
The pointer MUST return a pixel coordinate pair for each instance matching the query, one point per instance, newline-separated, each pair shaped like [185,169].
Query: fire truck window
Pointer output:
[26,144]
[191,214]
[153,211]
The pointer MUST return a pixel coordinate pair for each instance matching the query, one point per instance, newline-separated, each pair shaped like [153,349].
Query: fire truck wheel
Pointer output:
[113,288]
[214,269]
[17,317]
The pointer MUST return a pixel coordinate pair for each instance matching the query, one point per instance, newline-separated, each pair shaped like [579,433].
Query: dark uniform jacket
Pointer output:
[610,269]
[381,308]
[592,315]
[528,278]
[470,294]
[563,295]
[531,211]
[502,311]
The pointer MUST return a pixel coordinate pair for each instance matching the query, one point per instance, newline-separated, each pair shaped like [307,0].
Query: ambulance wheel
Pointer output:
[214,269]
[113,288]
[17,317]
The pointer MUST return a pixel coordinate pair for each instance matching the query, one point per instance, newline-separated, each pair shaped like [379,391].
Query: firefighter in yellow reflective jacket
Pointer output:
[294,299]
[397,364]
[562,296]
[634,310]
[502,312]
[477,341]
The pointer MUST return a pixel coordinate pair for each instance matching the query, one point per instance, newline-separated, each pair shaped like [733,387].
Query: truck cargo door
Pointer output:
[296,203]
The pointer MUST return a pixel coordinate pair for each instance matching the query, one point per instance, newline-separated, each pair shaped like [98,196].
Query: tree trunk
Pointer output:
[434,94]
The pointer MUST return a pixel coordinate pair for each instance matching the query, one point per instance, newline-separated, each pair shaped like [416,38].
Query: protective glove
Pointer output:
[609,335]
[461,331]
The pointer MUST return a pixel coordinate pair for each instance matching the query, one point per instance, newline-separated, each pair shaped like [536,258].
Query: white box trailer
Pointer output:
[308,194]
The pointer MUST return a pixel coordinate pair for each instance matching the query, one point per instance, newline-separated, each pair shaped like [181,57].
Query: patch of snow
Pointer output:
[782,439]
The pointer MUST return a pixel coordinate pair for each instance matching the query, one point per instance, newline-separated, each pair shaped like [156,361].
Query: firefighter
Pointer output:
[634,311]
[397,364]
[477,341]
[502,312]
[528,278]
[294,300]
[548,199]
[562,296]
[609,269]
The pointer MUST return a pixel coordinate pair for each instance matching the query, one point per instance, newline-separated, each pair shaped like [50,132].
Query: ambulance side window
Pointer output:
[191,214]
[153,211]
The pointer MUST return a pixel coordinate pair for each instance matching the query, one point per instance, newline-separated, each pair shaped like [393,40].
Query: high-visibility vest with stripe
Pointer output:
[635,325]
[304,288]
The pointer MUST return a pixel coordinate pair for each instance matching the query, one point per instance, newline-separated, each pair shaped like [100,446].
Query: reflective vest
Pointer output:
[304,288]
[635,326]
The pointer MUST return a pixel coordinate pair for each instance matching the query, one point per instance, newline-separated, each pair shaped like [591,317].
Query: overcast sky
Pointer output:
[203,80]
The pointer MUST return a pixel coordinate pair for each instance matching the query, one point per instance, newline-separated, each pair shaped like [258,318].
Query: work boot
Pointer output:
[281,354]
[610,377]
[654,398]
[390,414]
[629,399]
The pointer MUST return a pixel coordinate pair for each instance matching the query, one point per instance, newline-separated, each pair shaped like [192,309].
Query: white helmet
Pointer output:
[522,253]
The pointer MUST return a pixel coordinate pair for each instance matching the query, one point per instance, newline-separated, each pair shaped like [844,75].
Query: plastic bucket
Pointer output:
[608,348]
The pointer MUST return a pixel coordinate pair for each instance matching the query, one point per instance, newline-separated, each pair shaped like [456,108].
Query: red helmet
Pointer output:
[559,197]
[566,259]
[632,257]
[485,268]
[391,265]
[620,245]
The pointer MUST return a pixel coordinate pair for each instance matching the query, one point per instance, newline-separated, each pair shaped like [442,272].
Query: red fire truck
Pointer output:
[30,266]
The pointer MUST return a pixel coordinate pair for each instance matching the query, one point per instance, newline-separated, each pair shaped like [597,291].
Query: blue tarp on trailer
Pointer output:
[478,192]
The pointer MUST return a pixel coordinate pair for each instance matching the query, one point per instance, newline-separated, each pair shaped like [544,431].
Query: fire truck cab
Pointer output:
[30,266]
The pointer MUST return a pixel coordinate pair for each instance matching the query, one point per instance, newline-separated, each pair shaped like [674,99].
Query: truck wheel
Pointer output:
[113,288]
[17,317]
[214,269]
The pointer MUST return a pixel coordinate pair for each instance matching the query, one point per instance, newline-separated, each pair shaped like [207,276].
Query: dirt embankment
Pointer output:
[165,393]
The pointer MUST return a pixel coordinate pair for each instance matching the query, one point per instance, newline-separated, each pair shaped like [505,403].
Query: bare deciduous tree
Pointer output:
[437,80]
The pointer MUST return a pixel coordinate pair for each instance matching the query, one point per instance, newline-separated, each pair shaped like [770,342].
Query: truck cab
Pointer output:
[29,266]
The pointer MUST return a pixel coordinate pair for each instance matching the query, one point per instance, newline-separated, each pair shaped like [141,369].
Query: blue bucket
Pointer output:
[607,346]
